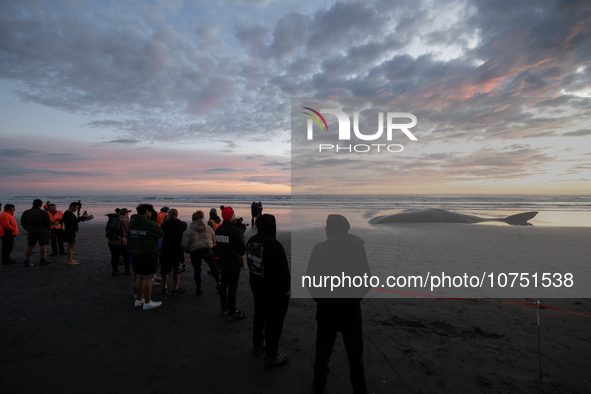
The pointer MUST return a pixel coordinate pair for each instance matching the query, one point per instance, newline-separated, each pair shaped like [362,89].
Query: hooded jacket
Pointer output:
[198,236]
[171,242]
[267,261]
[8,223]
[341,254]
[144,235]
[230,246]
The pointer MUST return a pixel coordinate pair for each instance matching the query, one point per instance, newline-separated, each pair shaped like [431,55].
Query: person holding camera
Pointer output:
[71,230]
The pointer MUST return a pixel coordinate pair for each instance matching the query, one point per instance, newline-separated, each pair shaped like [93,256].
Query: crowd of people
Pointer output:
[42,224]
[149,239]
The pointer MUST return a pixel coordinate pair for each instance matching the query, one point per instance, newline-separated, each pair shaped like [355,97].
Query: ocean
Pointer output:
[311,210]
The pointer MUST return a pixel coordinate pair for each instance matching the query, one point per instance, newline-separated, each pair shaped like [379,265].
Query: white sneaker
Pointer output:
[155,283]
[137,303]
[152,305]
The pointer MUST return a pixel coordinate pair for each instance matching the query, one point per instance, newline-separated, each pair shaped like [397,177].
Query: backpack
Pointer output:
[113,228]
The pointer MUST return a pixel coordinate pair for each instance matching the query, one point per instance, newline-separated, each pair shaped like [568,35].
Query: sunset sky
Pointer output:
[178,97]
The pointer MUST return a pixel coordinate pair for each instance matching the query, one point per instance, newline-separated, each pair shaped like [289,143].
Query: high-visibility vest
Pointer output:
[214,225]
[54,218]
[160,218]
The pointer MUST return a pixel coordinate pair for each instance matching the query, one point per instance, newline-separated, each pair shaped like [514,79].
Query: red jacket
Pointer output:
[8,222]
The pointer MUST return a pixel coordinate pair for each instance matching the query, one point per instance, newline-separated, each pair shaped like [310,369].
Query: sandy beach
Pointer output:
[74,329]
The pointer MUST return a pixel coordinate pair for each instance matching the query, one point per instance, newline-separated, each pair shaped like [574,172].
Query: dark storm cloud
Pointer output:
[234,81]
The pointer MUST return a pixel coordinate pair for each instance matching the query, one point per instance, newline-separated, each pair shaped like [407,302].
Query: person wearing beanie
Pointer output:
[270,282]
[339,310]
[230,248]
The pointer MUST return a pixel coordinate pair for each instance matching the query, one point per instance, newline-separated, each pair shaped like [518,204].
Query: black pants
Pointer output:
[353,339]
[196,257]
[116,251]
[228,289]
[56,245]
[7,245]
[269,312]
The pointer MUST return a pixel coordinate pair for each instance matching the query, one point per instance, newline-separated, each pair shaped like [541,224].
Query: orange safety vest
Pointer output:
[54,218]
[160,218]
[214,225]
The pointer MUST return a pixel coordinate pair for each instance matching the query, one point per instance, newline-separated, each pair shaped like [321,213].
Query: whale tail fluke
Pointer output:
[520,219]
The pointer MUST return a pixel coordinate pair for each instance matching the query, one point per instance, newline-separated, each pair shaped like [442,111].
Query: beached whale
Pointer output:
[434,215]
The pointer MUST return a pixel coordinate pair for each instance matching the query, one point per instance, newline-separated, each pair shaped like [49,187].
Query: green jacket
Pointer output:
[144,235]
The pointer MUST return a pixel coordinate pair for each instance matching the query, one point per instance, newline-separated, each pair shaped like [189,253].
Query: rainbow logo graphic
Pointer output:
[315,118]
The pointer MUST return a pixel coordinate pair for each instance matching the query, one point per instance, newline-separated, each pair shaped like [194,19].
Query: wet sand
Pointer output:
[74,329]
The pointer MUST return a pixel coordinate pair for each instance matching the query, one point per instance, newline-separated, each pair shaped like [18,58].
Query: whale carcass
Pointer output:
[435,215]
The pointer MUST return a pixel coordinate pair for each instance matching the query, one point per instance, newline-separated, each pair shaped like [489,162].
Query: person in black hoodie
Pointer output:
[171,252]
[230,248]
[339,310]
[270,284]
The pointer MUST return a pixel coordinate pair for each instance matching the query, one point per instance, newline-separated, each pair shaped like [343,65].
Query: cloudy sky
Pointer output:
[475,145]
[179,97]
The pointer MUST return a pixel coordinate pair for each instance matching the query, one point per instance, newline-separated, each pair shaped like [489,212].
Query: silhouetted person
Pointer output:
[270,284]
[341,254]
[37,223]
[231,248]
[172,254]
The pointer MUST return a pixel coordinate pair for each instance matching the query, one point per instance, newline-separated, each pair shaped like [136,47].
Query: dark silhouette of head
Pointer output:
[336,224]
[267,225]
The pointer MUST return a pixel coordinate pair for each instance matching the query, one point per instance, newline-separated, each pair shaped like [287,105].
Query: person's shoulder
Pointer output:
[272,245]
[236,231]
[321,245]
[354,239]
[253,238]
